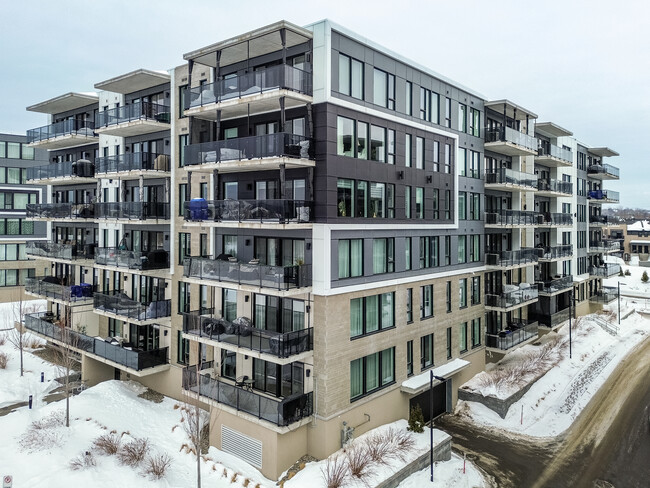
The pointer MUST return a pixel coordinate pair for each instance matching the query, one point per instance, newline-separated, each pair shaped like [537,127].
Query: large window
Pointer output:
[377,143]
[350,258]
[409,358]
[407,202]
[462,292]
[426,301]
[183,297]
[429,103]
[462,249]
[16,150]
[462,205]
[372,372]
[408,141]
[447,158]
[183,349]
[183,141]
[429,252]
[462,161]
[229,304]
[462,117]
[426,351]
[371,314]
[384,89]
[408,254]
[419,153]
[383,255]
[16,200]
[436,156]
[419,203]
[345,137]
[476,290]
[16,227]
[277,314]
[408,97]
[474,206]
[474,248]
[463,337]
[474,122]
[13,252]
[184,245]
[14,277]
[409,305]
[350,76]
[474,164]
[476,332]
[365,199]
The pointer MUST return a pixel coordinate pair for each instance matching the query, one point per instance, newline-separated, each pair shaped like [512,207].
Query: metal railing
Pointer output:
[132,162]
[63,128]
[555,285]
[557,186]
[133,111]
[511,298]
[275,77]
[506,176]
[603,169]
[113,256]
[515,333]
[81,168]
[278,411]
[605,271]
[556,152]
[118,303]
[512,217]
[512,258]
[48,249]
[51,289]
[551,219]
[606,245]
[506,134]
[280,144]
[606,294]
[120,354]
[550,320]
[61,210]
[263,276]
[609,195]
[132,210]
[280,211]
[601,220]
[282,345]
[556,252]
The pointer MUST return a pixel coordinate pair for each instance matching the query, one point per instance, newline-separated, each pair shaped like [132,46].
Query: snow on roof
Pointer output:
[639,225]
[419,382]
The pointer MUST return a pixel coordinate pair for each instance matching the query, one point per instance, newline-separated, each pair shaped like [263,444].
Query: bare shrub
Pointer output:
[133,453]
[3,339]
[43,434]
[380,448]
[234,478]
[33,343]
[359,461]
[336,472]
[83,461]
[246,483]
[4,359]
[53,420]
[403,440]
[108,444]
[156,466]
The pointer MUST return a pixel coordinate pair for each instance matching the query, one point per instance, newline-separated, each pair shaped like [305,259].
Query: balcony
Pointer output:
[116,354]
[276,344]
[511,218]
[148,165]
[510,142]
[603,196]
[604,246]
[606,271]
[60,251]
[133,120]
[598,220]
[607,294]
[506,179]
[516,333]
[53,288]
[553,156]
[513,296]
[258,275]
[132,211]
[251,153]
[603,172]
[255,92]
[62,135]
[556,285]
[118,303]
[509,259]
[60,211]
[550,320]
[65,173]
[278,411]
[134,260]
[262,211]
[554,188]
[555,220]
[556,252]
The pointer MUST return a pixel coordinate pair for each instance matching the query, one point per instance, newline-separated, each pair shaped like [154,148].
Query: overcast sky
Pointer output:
[581,64]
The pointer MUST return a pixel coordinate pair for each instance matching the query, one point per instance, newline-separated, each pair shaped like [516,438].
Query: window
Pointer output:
[474,122]
[462,205]
[426,351]
[476,290]
[183,349]
[409,358]
[182,198]
[371,373]
[230,245]
[361,145]
[13,150]
[462,117]
[462,161]
[448,296]
[344,137]
[474,248]
[390,201]
[462,285]
[419,153]
[229,304]
[350,77]
[449,353]
[463,337]
[425,256]
[419,203]
[383,255]
[350,258]
[475,164]
[407,253]
[447,158]
[183,140]
[426,301]
[435,251]
[15,227]
[476,332]
[447,250]
[390,156]
[436,156]
[462,249]
[409,305]
[377,143]
[184,246]
[355,199]
[384,89]
[407,150]
[429,102]
[408,97]
[183,297]
[447,112]
[203,245]
[447,204]
[372,314]
[182,94]
[13,252]
[475,206]
[436,204]
[407,202]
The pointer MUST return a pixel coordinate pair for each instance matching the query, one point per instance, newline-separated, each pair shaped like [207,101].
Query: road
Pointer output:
[608,442]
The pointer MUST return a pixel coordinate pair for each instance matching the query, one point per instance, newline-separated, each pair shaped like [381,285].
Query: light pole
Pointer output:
[570,314]
[431,378]
[619,302]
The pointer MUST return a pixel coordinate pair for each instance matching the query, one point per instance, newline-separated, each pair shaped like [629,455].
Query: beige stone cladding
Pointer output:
[15,293]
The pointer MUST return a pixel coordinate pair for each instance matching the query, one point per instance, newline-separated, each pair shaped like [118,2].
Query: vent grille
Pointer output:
[242,446]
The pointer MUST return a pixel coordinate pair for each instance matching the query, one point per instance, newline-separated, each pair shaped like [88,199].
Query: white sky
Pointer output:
[582,64]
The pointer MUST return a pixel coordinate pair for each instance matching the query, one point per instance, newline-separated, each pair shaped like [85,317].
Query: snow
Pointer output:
[639,225]
[422,380]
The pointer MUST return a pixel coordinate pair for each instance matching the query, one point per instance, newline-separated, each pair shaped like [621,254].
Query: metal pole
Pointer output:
[431,420]
[619,302]
[570,314]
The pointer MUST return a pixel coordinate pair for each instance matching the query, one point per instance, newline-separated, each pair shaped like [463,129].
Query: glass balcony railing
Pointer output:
[119,303]
[134,111]
[276,77]
[512,136]
[512,217]
[278,411]
[554,285]
[603,169]
[557,252]
[141,260]
[606,245]
[63,128]
[132,162]
[609,195]
[550,320]
[512,297]
[280,211]
[506,176]
[123,354]
[555,186]
[606,271]
[514,334]
[61,210]
[606,294]
[66,169]
[262,276]
[281,144]
[282,345]
[599,220]
[512,258]
[53,287]
[556,152]
[132,210]
[48,249]
[552,219]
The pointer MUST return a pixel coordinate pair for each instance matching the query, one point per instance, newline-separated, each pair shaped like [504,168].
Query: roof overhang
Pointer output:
[137,80]
[513,110]
[418,384]
[549,129]
[250,45]
[603,152]
[64,103]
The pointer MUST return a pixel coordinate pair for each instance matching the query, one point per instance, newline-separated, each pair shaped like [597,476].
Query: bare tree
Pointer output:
[16,336]
[66,357]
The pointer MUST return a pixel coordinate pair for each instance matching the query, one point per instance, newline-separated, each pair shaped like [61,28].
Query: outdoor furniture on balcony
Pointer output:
[72,127]
[81,168]
[512,296]
[56,288]
[60,210]
[555,186]
[604,196]
[119,303]
[140,260]
[509,178]
[515,333]
[137,161]
[606,270]
[268,211]
[512,218]
[556,284]
[556,252]
[555,219]
[603,171]
[519,257]
[69,251]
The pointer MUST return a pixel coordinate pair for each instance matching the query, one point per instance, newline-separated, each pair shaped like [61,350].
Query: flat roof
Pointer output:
[250,44]
[137,80]
[63,103]
[514,111]
[549,129]
[603,152]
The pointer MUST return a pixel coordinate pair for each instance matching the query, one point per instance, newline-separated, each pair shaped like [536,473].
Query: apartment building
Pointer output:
[289,229]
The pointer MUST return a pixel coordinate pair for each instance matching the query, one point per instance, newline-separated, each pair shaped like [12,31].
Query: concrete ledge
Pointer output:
[500,406]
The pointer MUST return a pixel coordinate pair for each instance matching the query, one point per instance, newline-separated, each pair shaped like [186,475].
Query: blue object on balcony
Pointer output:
[597,194]
[86,289]
[75,291]
[198,209]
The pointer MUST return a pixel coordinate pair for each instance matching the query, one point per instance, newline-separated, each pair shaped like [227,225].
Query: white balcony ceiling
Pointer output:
[64,103]
[137,80]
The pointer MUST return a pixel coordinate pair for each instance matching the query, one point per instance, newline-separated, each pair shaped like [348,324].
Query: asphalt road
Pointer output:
[607,445]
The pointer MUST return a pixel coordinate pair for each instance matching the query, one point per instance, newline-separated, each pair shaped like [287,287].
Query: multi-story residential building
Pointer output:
[289,228]
[16,232]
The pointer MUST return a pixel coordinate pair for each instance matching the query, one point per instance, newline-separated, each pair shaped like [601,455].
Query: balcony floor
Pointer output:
[65,141]
[259,164]
[552,162]
[508,149]
[134,128]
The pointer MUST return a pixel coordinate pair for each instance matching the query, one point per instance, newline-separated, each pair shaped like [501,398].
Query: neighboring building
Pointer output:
[16,232]
[634,238]
[289,227]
